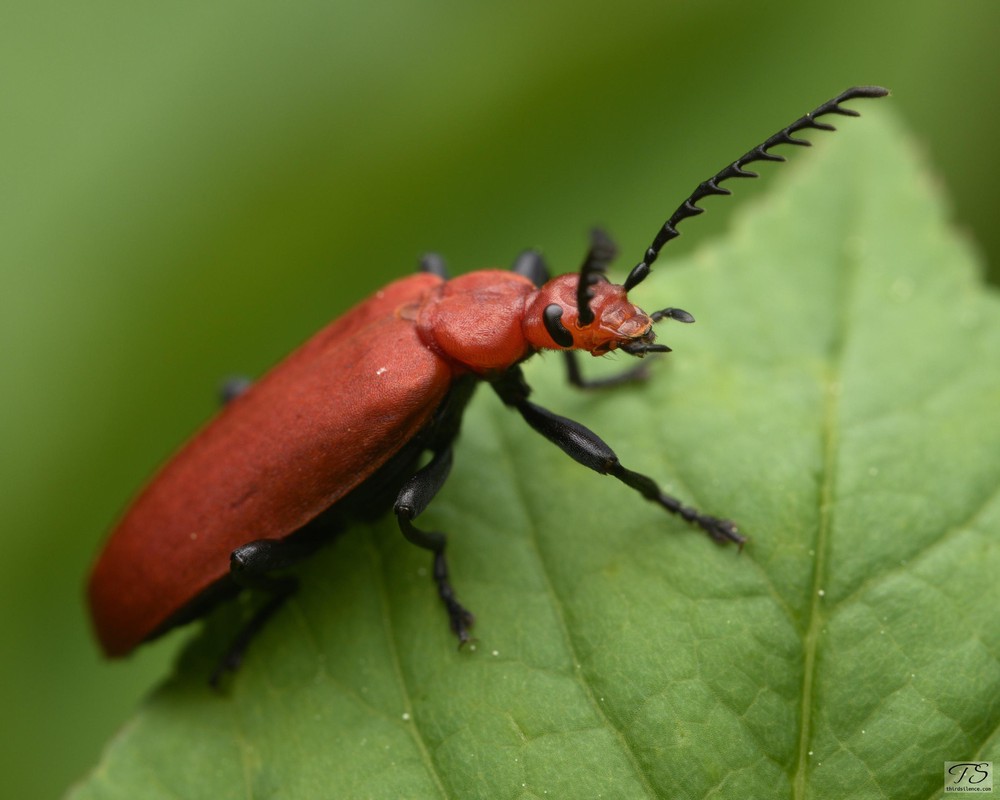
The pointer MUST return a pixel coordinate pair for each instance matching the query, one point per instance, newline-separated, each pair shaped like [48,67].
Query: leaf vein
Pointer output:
[392,639]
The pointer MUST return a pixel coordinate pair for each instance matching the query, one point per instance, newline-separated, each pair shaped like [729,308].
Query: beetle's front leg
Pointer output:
[634,374]
[413,498]
[586,447]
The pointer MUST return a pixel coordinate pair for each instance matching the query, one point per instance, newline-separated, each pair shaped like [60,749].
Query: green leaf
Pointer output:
[839,397]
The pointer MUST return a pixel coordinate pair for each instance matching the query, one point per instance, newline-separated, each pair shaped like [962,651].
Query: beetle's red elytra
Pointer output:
[339,428]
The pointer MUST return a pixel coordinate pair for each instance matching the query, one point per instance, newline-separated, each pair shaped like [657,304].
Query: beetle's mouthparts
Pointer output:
[640,347]
[678,314]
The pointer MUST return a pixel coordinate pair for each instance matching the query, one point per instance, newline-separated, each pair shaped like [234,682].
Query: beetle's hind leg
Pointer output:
[251,566]
[413,498]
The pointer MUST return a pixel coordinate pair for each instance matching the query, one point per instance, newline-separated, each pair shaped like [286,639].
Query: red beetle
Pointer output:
[339,427]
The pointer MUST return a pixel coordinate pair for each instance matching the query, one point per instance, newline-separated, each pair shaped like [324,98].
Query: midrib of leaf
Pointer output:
[814,628]
[831,414]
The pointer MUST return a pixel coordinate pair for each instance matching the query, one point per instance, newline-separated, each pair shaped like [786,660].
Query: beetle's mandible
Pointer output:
[340,427]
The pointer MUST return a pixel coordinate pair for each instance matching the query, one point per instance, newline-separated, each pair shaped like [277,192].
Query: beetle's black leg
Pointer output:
[532,266]
[634,374]
[233,387]
[586,447]
[434,263]
[413,498]
[250,567]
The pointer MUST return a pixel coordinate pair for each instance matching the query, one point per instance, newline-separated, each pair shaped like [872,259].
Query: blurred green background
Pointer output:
[190,189]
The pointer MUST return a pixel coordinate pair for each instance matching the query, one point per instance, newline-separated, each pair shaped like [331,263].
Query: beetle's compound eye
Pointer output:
[552,317]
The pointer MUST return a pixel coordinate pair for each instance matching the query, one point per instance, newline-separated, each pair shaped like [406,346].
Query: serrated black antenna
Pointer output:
[689,207]
[601,253]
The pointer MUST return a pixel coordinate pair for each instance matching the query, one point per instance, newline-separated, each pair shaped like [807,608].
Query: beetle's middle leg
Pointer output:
[413,498]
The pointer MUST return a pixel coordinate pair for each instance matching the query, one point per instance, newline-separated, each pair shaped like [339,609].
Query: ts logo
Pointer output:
[968,776]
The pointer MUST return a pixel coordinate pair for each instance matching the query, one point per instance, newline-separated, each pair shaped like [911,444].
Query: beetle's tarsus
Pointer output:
[723,531]
[460,618]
